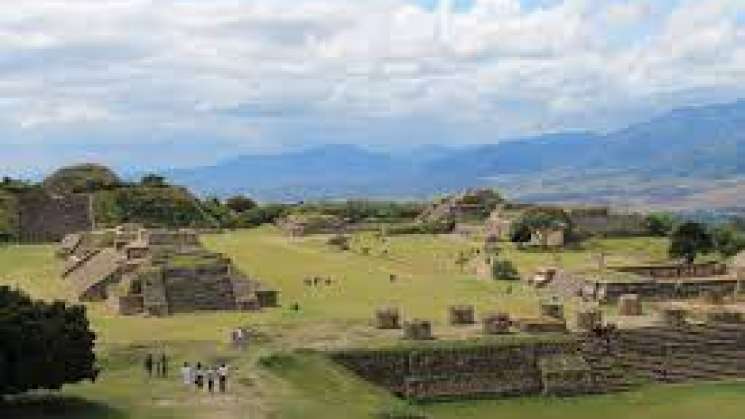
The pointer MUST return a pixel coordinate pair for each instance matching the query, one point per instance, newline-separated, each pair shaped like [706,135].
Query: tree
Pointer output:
[728,241]
[520,233]
[43,345]
[689,240]
[660,223]
[504,270]
[240,203]
[542,221]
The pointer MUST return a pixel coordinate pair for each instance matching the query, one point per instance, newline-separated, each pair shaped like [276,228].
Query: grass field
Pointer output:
[273,380]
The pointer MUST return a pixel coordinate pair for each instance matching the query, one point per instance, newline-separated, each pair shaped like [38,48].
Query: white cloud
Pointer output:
[268,73]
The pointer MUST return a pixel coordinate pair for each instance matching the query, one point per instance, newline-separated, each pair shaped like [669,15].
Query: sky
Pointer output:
[140,83]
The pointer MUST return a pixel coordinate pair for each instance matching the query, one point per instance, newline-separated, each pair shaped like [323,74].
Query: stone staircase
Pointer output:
[693,352]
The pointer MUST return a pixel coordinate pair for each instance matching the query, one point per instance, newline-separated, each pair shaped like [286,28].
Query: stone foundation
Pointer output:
[418,330]
[629,305]
[461,315]
[387,318]
[496,324]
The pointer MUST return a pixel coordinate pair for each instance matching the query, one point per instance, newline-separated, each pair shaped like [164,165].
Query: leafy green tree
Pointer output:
[504,270]
[42,345]
[520,233]
[660,223]
[240,203]
[728,241]
[541,221]
[689,240]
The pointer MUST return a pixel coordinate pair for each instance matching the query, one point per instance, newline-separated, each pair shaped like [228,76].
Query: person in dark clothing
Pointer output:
[149,365]
[163,365]
[210,379]
[199,376]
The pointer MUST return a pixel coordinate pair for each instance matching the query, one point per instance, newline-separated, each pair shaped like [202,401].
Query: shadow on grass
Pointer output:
[55,406]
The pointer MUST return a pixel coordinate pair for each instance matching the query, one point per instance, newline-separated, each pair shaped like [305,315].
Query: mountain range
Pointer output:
[686,157]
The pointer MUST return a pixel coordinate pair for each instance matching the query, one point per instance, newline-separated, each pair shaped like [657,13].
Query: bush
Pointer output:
[435,227]
[660,224]
[504,270]
[42,345]
[240,203]
[689,240]
[340,241]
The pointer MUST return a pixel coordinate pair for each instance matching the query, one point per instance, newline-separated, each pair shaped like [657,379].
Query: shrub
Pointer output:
[504,270]
[42,345]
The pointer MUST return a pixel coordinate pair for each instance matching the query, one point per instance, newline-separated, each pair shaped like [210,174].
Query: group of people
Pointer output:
[156,365]
[199,376]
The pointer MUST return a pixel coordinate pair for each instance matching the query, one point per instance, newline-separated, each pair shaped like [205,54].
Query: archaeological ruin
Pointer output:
[157,272]
[540,356]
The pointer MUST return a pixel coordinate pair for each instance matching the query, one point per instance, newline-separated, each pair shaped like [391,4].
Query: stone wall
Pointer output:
[47,218]
[604,222]
[700,270]
[426,373]
[610,292]
[687,352]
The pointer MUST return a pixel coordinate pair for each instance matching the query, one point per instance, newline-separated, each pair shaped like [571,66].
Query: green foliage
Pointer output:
[504,270]
[434,227]
[82,178]
[340,241]
[520,232]
[240,203]
[363,210]
[660,224]
[159,206]
[220,212]
[265,214]
[538,220]
[689,240]
[42,345]
[728,241]
[8,216]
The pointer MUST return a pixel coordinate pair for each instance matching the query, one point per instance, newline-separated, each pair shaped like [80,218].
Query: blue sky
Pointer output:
[138,83]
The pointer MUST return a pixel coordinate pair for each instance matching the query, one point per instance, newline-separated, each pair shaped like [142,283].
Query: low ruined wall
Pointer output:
[673,354]
[676,271]
[610,292]
[431,372]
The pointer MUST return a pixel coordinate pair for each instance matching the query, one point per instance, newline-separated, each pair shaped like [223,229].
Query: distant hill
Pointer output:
[665,160]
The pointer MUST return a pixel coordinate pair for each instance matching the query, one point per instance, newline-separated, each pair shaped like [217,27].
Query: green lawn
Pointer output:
[273,380]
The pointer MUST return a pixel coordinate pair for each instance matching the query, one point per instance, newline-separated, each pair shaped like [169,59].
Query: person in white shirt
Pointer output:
[222,374]
[187,374]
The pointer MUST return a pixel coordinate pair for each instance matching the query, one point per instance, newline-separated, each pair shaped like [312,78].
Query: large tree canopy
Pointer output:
[42,345]
[690,240]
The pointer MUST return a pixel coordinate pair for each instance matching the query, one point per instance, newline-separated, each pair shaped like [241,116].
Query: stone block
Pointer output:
[552,309]
[630,305]
[461,315]
[418,330]
[589,319]
[387,318]
[496,324]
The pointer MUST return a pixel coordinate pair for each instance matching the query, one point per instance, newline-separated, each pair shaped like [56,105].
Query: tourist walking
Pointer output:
[149,364]
[210,379]
[187,374]
[163,365]
[222,376]
[199,377]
